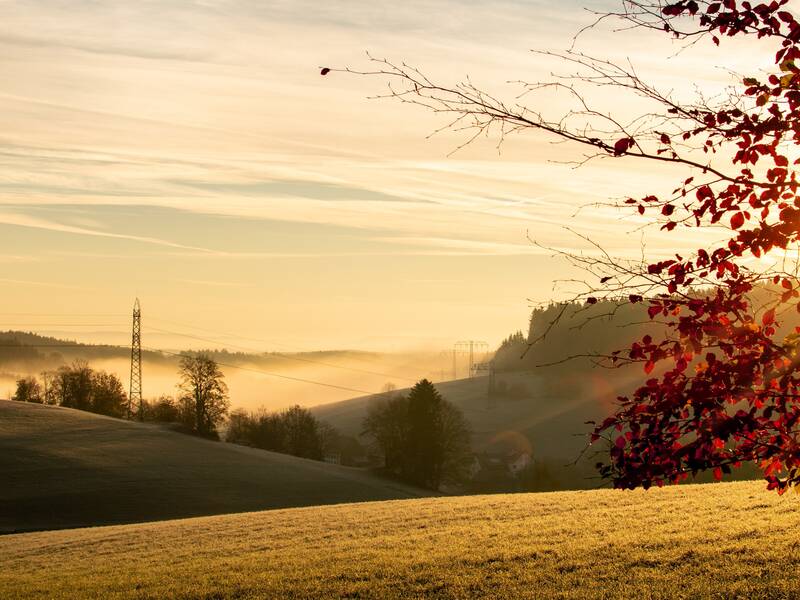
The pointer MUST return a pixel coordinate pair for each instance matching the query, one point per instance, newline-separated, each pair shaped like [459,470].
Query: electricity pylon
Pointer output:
[470,347]
[135,396]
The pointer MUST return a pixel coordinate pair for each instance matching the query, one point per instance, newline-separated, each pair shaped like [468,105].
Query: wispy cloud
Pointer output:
[195,142]
[22,220]
[48,284]
[465,246]
[221,284]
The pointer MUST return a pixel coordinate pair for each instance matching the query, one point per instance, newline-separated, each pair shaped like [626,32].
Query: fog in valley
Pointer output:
[274,381]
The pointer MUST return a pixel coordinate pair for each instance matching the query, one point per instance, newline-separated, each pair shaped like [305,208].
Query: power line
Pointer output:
[241,337]
[79,345]
[76,345]
[252,339]
[205,330]
[469,347]
[179,354]
[62,325]
[271,374]
[284,356]
[32,314]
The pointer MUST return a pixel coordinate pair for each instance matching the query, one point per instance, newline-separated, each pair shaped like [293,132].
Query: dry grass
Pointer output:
[715,541]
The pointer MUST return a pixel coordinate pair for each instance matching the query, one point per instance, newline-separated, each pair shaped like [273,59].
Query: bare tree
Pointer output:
[203,388]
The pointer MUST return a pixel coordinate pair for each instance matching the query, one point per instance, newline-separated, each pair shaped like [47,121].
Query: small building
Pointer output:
[518,462]
[333,458]
[500,464]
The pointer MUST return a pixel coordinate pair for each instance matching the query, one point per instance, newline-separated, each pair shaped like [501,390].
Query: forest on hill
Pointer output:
[26,351]
[29,349]
[568,338]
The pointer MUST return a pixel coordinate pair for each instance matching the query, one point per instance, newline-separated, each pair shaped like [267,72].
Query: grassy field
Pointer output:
[66,468]
[702,541]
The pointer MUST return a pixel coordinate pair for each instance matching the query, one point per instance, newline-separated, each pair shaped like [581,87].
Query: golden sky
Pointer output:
[190,153]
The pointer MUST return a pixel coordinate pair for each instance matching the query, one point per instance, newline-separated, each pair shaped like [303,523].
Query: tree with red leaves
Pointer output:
[722,384]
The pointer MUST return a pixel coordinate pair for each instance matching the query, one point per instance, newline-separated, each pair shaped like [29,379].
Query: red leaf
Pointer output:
[737,220]
[769,317]
[325,71]
[717,473]
[622,146]
[649,366]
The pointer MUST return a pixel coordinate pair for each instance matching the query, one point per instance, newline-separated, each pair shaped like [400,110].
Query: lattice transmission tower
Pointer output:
[469,348]
[135,396]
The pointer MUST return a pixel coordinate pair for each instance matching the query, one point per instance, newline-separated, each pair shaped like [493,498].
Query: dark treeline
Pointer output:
[423,439]
[562,341]
[567,332]
[34,352]
[76,386]
[31,352]
[167,409]
[294,431]
[200,407]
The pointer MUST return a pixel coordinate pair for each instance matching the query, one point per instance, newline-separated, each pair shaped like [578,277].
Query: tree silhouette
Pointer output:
[722,384]
[28,390]
[425,449]
[294,431]
[76,386]
[386,423]
[203,389]
[424,439]
[73,385]
[108,396]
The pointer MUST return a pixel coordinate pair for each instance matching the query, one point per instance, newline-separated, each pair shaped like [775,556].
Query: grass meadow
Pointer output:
[729,540]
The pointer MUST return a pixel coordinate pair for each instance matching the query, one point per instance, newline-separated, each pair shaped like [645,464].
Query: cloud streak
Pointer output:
[21,220]
[151,146]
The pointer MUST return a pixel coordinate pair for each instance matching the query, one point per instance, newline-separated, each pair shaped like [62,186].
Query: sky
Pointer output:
[190,154]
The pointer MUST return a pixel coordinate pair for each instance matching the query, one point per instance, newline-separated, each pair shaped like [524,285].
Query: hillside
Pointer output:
[67,468]
[700,541]
[553,423]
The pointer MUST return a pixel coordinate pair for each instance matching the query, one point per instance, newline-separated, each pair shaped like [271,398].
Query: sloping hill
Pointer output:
[701,541]
[553,423]
[66,468]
